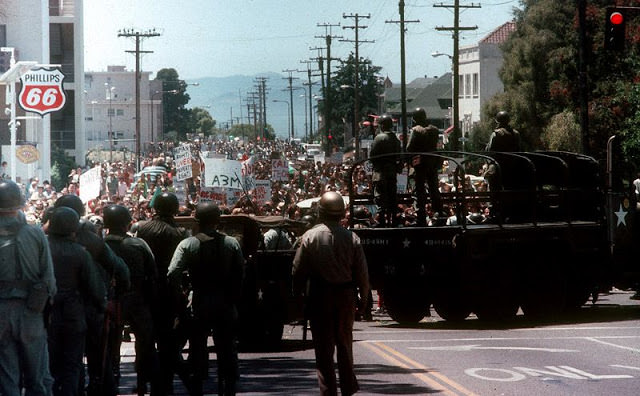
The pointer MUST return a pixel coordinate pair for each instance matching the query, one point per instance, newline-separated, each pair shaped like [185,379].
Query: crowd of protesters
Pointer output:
[121,184]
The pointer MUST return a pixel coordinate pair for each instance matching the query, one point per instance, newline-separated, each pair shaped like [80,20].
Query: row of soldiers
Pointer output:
[66,292]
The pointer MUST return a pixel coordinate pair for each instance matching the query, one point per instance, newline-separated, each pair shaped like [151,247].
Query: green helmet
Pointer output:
[64,221]
[10,196]
[166,204]
[208,213]
[71,201]
[331,205]
[386,122]
[116,216]
[503,118]
[420,116]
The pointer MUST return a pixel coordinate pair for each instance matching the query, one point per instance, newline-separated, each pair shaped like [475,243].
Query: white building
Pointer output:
[111,106]
[479,65]
[47,32]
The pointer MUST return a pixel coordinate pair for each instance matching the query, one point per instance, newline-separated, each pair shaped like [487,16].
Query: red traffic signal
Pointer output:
[616,18]
[615,35]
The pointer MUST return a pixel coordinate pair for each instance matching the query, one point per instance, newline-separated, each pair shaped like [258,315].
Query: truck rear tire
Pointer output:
[405,306]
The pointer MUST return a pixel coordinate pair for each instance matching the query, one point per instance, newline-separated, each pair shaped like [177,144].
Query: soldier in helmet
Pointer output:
[385,170]
[27,282]
[79,285]
[100,324]
[504,137]
[215,265]
[424,138]
[334,273]
[136,302]
[163,236]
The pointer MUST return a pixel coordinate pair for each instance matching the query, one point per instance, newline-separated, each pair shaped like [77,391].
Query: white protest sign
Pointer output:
[247,174]
[90,182]
[279,170]
[262,191]
[182,159]
[220,172]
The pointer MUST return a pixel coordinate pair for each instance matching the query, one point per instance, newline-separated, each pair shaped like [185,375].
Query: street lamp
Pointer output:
[454,93]
[109,90]
[288,119]
[173,92]
[355,124]
[306,117]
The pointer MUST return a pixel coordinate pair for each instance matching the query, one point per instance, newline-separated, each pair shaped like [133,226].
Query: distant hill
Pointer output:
[226,97]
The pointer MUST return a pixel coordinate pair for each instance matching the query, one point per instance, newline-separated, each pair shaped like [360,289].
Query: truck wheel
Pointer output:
[544,299]
[497,306]
[405,307]
[452,310]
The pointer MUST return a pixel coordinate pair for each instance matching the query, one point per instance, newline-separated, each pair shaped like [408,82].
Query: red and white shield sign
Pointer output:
[42,91]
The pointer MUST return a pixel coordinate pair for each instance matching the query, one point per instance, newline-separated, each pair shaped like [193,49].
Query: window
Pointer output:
[461,86]
[119,112]
[111,112]
[475,85]
[467,86]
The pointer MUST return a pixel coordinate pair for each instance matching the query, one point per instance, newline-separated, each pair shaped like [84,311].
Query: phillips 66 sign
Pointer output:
[42,91]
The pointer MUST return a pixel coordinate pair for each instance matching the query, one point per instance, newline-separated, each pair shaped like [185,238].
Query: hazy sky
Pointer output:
[201,38]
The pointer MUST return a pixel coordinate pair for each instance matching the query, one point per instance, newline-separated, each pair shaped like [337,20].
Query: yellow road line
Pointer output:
[446,385]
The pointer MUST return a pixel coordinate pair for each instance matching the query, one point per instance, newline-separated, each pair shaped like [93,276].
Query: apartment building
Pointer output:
[46,32]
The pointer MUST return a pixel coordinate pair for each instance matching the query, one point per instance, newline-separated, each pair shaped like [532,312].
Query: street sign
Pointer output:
[42,91]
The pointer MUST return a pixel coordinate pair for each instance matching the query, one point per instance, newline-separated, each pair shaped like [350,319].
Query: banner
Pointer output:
[247,174]
[182,160]
[216,195]
[222,173]
[90,182]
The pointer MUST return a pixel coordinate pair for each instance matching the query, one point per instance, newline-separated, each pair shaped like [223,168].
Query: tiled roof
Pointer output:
[500,34]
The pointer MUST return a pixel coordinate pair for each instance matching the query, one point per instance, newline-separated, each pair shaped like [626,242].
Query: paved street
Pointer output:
[594,352]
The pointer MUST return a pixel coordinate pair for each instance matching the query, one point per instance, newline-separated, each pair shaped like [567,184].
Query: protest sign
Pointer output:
[182,160]
[90,183]
[220,172]
[279,170]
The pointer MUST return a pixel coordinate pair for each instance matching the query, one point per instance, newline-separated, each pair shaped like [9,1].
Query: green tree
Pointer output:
[203,121]
[540,75]
[178,118]
[342,93]
[562,133]
[62,164]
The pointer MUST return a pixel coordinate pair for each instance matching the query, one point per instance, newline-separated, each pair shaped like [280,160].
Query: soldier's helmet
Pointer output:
[419,116]
[166,204]
[71,201]
[116,216]
[386,122]
[208,213]
[502,118]
[64,221]
[10,196]
[331,205]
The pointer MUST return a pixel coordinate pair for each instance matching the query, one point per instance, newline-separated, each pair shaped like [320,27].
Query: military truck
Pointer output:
[559,230]
[267,300]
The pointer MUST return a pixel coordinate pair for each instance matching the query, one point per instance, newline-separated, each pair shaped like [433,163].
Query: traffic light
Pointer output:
[614,37]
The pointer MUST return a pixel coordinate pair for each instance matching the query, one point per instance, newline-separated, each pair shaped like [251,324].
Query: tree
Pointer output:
[177,116]
[203,121]
[342,93]
[540,75]
[62,164]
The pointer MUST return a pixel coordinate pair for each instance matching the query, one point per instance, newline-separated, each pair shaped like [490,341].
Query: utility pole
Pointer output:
[323,87]
[403,78]
[310,85]
[327,89]
[356,83]
[138,36]
[290,78]
[456,63]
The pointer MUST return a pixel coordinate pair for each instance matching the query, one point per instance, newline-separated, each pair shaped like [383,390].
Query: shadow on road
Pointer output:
[602,312]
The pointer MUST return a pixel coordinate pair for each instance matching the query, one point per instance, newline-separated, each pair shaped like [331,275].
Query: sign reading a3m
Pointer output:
[42,91]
